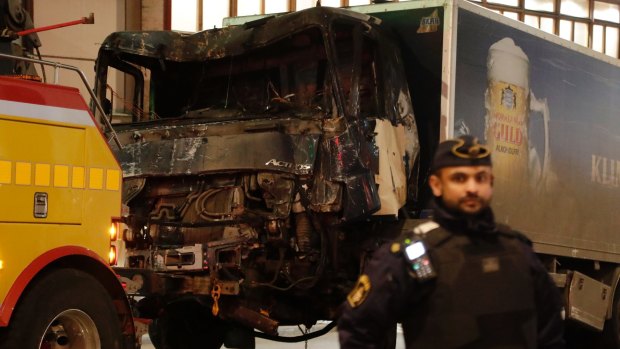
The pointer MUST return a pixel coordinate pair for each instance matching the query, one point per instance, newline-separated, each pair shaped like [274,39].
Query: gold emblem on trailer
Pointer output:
[429,24]
[359,293]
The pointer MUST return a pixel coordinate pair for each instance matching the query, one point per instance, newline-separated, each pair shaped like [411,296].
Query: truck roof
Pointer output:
[229,41]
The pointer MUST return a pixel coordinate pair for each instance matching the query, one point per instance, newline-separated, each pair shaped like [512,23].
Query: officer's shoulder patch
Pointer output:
[395,247]
[360,292]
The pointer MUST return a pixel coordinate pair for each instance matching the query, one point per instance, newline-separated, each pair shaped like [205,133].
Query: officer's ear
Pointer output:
[436,185]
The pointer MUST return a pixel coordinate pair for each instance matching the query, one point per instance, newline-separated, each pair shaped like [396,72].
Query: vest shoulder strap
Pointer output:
[431,233]
[507,231]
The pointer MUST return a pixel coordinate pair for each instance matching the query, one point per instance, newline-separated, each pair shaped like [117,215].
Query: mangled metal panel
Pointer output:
[196,155]
[219,43]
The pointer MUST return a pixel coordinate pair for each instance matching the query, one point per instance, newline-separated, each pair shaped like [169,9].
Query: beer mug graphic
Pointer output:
[509,102]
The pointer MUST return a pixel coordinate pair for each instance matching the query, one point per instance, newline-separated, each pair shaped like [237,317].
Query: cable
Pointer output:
[297,339]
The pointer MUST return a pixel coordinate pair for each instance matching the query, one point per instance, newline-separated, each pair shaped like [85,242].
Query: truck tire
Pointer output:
[65,308]
[187,325]
[611,332]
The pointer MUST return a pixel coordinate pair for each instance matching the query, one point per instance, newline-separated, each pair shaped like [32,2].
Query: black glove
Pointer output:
[8,34]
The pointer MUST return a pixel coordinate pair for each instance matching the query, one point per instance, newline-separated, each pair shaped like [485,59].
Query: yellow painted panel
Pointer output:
[61,176]
[95,178]
[17,203]
[5,172]
[66,205]
[23,173]
[112,180]
[77,178]
[42,174]
[38,143]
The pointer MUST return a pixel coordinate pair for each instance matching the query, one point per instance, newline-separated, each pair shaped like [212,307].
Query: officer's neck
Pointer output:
[459,222]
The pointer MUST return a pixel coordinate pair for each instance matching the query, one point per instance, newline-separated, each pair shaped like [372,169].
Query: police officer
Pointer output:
[459,280]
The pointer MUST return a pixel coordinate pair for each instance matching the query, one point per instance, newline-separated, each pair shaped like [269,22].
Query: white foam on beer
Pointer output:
[508,63]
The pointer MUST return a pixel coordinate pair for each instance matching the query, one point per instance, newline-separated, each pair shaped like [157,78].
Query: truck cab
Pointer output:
[256,159]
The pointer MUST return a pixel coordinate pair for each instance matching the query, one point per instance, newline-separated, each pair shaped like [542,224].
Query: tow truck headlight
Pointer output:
[113,231]
[112,255]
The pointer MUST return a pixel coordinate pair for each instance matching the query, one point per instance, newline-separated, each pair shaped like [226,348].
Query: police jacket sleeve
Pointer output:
[370,315]
[548,306]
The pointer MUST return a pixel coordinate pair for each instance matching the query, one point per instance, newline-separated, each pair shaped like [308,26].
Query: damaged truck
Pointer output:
[264,162]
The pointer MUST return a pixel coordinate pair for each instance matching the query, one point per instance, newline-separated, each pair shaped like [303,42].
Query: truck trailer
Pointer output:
[264,162]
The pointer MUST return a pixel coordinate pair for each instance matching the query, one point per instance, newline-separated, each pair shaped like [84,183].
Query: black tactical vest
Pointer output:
[482,297]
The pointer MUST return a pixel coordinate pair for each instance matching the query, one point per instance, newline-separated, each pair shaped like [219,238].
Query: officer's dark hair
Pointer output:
[462,151]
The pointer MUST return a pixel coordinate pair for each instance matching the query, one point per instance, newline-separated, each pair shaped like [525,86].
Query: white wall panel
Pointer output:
[77,45]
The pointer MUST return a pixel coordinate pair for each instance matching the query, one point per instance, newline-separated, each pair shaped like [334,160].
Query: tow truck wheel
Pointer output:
[64,309]
[71,327]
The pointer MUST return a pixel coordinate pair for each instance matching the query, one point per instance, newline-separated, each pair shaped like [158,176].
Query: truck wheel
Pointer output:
[65,309]
[187,325]
[611,332]
[154,334]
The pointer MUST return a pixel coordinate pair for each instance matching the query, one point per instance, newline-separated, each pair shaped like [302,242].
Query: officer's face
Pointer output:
[467,189]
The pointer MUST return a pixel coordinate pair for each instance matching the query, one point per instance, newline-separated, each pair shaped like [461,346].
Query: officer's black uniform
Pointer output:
[490,291]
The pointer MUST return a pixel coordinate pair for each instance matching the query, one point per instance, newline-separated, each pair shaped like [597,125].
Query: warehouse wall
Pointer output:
[78,45]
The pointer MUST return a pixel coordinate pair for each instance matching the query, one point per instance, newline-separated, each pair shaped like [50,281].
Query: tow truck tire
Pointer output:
[66,309]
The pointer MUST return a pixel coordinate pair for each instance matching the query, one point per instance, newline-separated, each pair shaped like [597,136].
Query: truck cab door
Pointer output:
[380,111]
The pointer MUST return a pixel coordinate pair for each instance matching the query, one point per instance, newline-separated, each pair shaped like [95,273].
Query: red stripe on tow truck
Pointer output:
[8,305]
[16,90]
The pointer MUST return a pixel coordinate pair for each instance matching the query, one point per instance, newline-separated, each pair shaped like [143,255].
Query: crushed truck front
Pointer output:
[255,159]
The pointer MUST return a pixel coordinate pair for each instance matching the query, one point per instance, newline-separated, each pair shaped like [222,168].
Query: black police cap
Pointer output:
[461,151]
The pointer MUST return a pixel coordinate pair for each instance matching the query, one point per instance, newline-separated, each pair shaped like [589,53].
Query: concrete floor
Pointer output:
[327,341]
[577,338]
